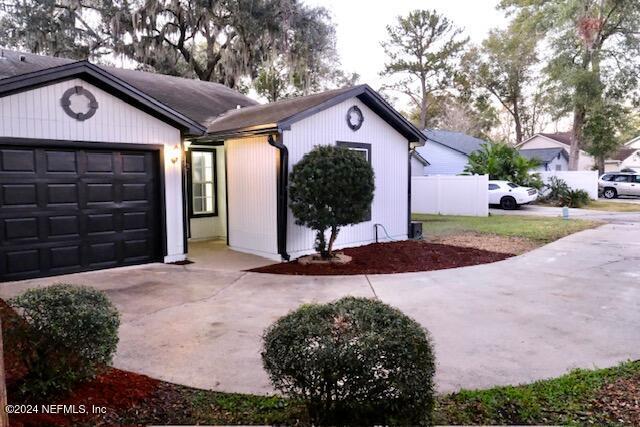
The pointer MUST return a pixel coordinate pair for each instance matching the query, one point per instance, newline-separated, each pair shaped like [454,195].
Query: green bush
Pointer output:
[503,162]
[330,187]
[353,362]
[558,193]
[72,332]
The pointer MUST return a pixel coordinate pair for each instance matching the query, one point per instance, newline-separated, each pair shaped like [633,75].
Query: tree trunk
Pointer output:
[517,120]
[576,137]
[332,239]
[4,418]
[423,104]
[600,161]
[321,244]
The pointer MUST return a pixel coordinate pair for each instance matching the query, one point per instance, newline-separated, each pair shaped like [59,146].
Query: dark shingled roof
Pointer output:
[461,142]
[544,155]
[196,99]
[280,115]
[623,153]
[563,137]
[269,114]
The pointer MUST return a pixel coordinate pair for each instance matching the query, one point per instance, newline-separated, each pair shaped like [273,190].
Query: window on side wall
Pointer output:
[363,150]
[203,185]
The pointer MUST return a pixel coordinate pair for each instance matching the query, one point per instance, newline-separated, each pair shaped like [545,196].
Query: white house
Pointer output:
[93,171]
[625,158]
[550,159]
[447,151]
[634,143]
[557,140]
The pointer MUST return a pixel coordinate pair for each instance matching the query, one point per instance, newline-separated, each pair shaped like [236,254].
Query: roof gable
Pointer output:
[458,141]
[106,81]
[544,155]
[280,115]
[196,99]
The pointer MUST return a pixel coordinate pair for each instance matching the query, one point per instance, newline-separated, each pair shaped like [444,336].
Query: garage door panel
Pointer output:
[25,261]
[99,163]
[21,228]
[65,257]
[19,195]
[64,225]
[66,210]
[17,160]
[61,161]
[58,194]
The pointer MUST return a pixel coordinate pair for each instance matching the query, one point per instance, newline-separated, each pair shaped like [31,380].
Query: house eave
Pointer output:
[106,81]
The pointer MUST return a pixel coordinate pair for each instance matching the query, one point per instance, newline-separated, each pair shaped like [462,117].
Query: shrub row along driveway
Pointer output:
[573,303]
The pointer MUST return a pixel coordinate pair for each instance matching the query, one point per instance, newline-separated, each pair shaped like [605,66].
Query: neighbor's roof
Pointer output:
[563,137]
[419,157]
[458,141]
[280,115]
[544,155]
[196,99]
[623,153]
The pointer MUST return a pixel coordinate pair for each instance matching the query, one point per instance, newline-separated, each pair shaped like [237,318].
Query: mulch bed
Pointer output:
[392,257]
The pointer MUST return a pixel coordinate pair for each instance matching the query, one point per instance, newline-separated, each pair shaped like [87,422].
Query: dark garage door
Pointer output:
[67,210]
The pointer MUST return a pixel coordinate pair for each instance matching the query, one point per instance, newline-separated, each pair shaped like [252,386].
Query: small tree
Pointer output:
[503,162]
[330,187]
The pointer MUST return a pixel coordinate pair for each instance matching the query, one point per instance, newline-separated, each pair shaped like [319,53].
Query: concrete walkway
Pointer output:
[573,303]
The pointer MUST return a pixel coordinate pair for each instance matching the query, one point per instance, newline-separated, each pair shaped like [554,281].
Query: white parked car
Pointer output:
[509,195]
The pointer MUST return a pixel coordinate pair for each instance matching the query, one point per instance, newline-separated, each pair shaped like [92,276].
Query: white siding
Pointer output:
[551,166]
[389,151]
[443,160]
[633,161]
[213,227]
[417,168]
[585,162]
[37,114]
[252,196]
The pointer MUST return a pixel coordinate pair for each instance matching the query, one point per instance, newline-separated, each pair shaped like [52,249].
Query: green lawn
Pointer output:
[574,398]
[538,229]
[570,399]
[605,205]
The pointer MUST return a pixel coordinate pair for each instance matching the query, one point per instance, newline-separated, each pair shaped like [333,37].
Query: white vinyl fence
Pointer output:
[577,180]
[450,195]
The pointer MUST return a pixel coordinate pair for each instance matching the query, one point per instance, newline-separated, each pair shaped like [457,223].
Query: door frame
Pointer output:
[159,148]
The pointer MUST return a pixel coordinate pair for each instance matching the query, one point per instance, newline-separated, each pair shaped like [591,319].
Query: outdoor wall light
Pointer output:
[187,144]
[175,153]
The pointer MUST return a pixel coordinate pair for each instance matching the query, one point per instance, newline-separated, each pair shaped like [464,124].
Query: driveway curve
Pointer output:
[572,303]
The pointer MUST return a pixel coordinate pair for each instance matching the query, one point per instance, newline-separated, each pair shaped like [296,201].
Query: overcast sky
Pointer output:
[361,26]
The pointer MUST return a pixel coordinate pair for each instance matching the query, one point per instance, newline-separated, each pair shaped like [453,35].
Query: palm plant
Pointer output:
[503,162]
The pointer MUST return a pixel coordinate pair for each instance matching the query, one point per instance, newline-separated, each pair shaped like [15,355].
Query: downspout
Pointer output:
[283,194]
[409,195]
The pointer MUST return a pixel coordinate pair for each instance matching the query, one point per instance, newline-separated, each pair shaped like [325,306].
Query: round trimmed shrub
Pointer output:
[353,362]
[331,187]
[72,333]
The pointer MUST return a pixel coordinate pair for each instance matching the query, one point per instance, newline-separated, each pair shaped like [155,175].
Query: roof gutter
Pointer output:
[283,193]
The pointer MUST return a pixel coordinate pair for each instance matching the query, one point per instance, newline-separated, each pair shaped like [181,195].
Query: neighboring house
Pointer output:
[625,158]
[550,159]
[93,171]
[447,151]
[418,163]
[557,140]
[634,143]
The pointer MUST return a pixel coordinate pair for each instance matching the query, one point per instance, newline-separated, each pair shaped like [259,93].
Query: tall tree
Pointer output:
[603,130]
[422,51]
[503,68]
[221,41]
[595,49]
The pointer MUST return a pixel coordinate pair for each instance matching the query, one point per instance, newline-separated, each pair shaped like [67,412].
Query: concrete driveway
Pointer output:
[589,214]
[573,303]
